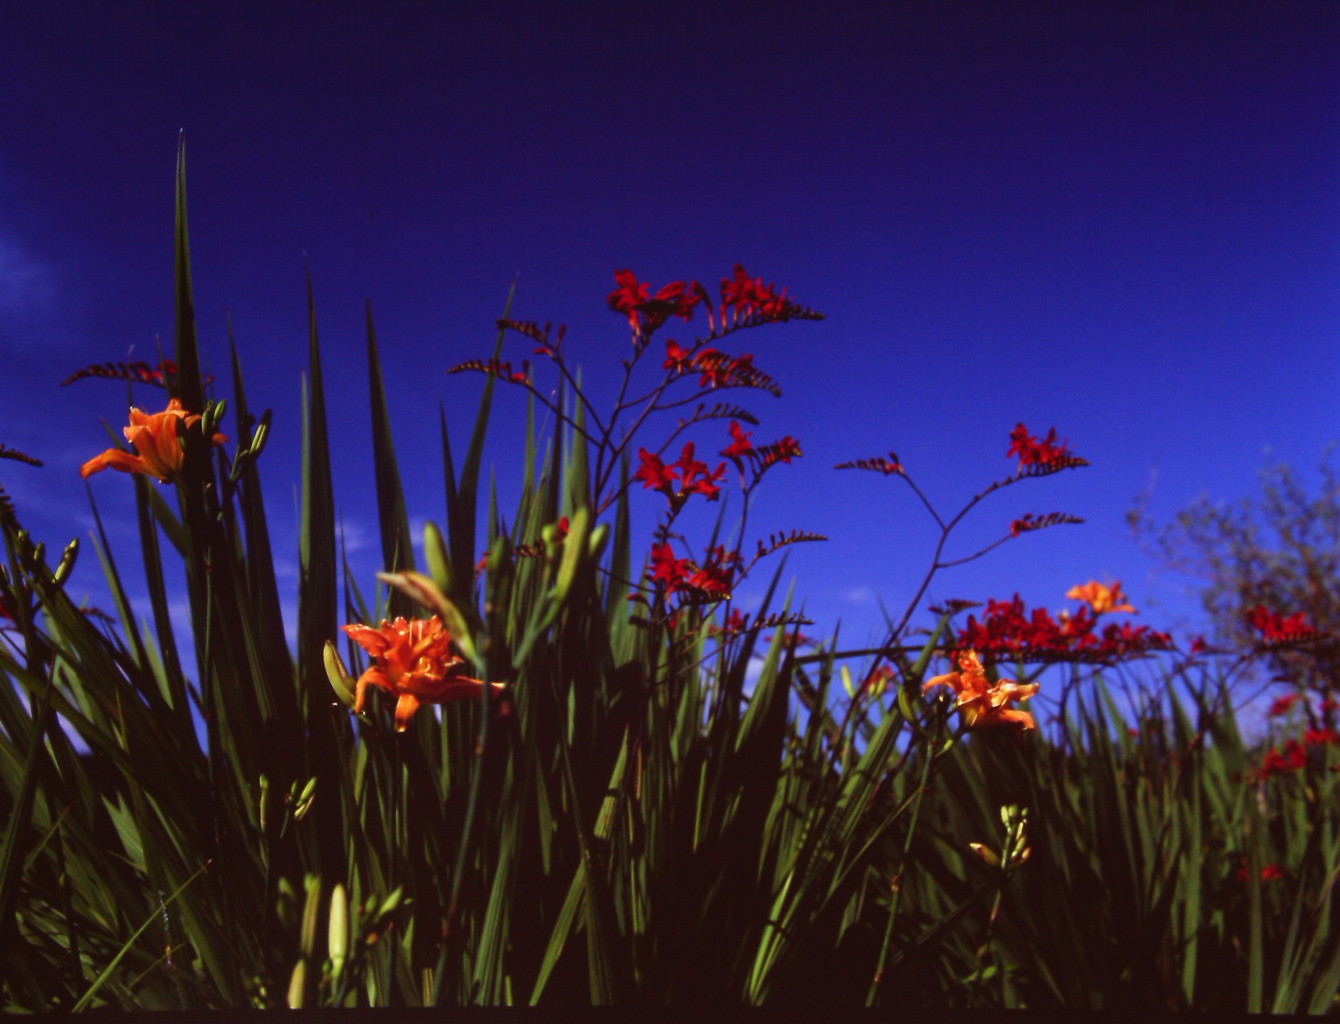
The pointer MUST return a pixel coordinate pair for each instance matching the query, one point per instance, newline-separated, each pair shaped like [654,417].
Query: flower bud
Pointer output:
[305,799]
[435,554]
[340,679]
[337,929]
[264,802]
[985,854]
[67,558]
[309,911]
[296,984]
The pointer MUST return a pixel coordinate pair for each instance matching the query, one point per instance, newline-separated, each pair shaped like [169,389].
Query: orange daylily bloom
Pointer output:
[1100,598]
[154,436]
[413,660]
[983,704]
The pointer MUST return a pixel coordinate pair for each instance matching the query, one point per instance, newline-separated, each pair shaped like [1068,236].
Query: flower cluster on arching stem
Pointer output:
[1009,630]
[1277,630]
[1041,455]
[689,371]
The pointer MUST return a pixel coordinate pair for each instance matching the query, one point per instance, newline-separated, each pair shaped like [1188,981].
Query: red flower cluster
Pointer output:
[1321,737]
[136,373]
[1007,629]
[742,298]
[693,476]
[1282,762]
[742,448]
[785,450]
[746,296]
[1281,705]
[1294,753]
[715,369]
[1034,452]
[711,579]
[646,312]
[1029,522]
[1276,629]
[1269,872]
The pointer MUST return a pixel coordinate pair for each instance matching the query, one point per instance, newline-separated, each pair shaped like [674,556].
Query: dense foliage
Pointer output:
[565,769]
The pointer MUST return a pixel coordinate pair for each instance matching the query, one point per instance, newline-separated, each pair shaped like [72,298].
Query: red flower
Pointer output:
[675,299]
[1269,872]
[629,296]
[666,568]
[1281,705]
[740,445]
[1321,737]
[1276,762]
[654,473]
[1274,628]
[1035,452]
[676,358]
[785,450]
[747,296]
[691,475]
[694,476]
[1007,628]
[712,578]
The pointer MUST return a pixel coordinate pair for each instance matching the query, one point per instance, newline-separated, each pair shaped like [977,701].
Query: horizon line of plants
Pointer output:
[565,769]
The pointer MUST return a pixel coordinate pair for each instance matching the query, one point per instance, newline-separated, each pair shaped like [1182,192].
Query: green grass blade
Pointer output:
[393,520]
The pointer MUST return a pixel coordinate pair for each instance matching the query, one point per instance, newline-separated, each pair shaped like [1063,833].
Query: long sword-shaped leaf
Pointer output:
[186,385]
[318,602]
[462,494]
[392,519]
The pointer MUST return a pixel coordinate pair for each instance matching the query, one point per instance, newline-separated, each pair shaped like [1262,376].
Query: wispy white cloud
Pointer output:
[860,595]
[26,283]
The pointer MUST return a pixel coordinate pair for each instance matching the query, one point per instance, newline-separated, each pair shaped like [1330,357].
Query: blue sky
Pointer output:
[1119,220]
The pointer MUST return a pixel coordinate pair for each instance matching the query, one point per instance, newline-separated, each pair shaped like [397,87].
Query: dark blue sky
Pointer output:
[1121,220]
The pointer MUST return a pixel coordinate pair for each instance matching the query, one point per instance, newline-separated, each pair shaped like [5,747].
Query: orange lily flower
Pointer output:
[154,436]
[1100,598]
[981,703]
[413,660]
